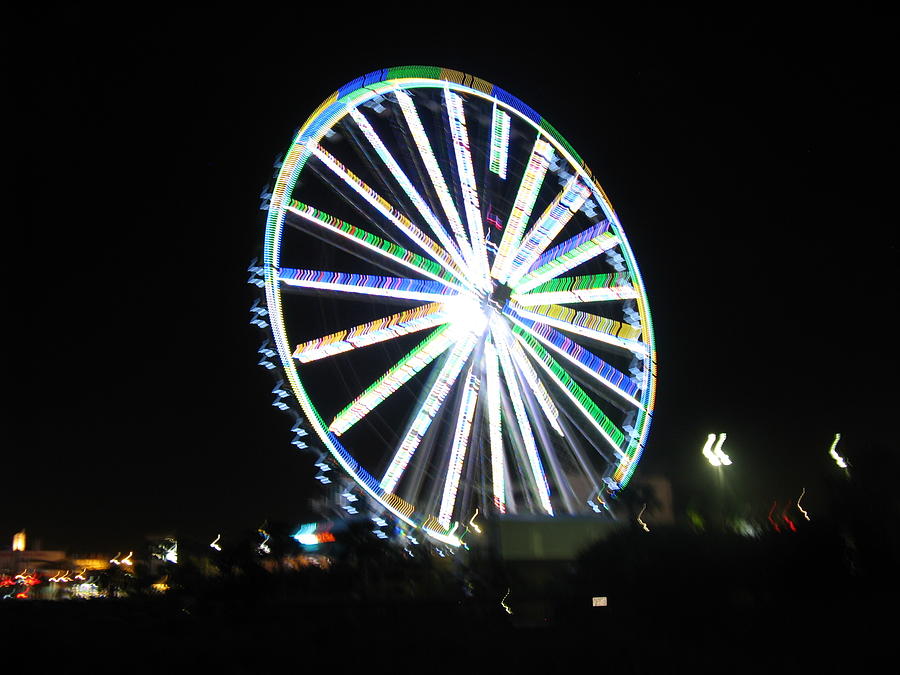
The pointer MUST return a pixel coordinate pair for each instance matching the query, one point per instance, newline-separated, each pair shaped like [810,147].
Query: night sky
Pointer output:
[751,163]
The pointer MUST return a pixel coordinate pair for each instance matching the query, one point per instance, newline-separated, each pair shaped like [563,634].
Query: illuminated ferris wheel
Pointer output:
[455,305]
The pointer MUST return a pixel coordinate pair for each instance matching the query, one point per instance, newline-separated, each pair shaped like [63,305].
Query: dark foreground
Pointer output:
[676,602]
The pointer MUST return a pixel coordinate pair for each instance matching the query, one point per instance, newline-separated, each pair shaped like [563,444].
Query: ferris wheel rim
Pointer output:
[333,109]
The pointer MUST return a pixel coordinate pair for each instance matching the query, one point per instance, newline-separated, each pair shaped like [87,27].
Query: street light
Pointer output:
[712,450]
[714,454]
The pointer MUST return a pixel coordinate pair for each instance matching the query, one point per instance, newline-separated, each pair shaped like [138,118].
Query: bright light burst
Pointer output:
[499,423]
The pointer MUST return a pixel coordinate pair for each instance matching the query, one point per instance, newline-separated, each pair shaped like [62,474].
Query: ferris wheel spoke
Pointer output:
[398,375]
[495,429]
[423,144]
[373,243]
[459,447]
[590,364]
[499,142]
[537,387]
[568,255]
[428,409]
[538,476]
[591,326]
[589,288]
[566,204]
[379,330]
[400,176]
[393,215]
[582,402]
[457,118]
[535,170]
[364,284]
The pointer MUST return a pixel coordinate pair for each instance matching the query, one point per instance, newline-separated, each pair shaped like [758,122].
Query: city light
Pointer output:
[840,461]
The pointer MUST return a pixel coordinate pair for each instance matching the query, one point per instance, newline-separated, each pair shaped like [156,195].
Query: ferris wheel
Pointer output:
[454,303]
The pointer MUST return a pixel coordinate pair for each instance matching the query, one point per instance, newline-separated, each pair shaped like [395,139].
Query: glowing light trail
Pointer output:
[494,405]
[548,407]
[534,460]
[365,284]
[591,326]
[399,374]
[591,288]
[429,408]
[805,514]
[457,119]
[641,522]
[459,447]
[379,330]
[575,393]
[434,172]
[411,192]
[541,156]
[375,244]
[388,211]
[568,255]
[590,364]
[724,459]
[548,226]
[499,142]
[840,461]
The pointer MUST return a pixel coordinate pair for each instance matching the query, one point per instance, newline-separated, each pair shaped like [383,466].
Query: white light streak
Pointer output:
[434,172]
[494,400]
[429,408]
[457,119]
[537,469]
[458,449]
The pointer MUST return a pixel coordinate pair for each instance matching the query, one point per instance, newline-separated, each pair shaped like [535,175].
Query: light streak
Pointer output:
[411,192]
[503,602]
[590,288]
[534,460]
[398,375]
[458,448]
[472,523]
[771,520]
[499,142]
[805,514]
[641,522]
[568,255]
[364,284]
[541,156]
[548,407]
[575,393]
[498,479]
[379,330]
[457,118]
[548,226]
[724,459]
[784,517]
[434,172]
[591,326]
[589,363]
[840,461]
[373,243]
[215,543]
[708,453]
[384,208]
[588,325]
[429,408]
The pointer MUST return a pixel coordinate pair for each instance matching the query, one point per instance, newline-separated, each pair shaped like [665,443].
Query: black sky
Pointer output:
[751,162]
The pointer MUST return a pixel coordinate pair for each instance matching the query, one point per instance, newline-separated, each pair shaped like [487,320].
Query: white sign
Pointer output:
[598,602]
